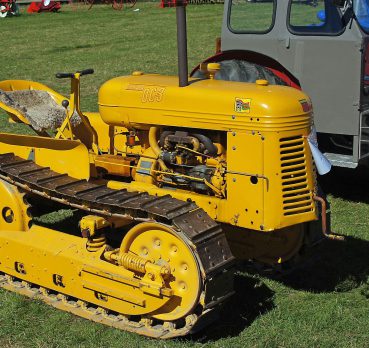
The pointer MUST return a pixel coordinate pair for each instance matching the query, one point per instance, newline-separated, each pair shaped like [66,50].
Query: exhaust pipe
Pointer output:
[182,42]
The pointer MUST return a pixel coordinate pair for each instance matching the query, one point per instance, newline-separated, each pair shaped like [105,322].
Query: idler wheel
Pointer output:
[163,246]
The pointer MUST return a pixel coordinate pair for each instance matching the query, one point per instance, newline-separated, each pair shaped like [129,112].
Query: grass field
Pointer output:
[323,304]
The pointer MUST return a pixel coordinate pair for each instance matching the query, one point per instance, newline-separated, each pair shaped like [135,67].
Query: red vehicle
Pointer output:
[8,8]
[43,6]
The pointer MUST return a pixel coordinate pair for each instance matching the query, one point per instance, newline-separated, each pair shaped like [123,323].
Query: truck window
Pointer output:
[361,8]
[314,17]
[251,16]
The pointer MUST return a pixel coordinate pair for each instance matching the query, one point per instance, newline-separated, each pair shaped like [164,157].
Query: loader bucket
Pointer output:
[18,111]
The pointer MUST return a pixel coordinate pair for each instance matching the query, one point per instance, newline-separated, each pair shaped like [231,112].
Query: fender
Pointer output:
[257,58]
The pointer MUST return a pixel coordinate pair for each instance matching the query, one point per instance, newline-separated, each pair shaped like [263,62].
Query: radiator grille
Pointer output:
[296,194]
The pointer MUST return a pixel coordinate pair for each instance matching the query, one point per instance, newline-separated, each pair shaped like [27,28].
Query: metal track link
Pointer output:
[139,325]
[203,235]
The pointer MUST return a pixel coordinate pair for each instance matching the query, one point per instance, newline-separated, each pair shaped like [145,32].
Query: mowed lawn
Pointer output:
[325,303]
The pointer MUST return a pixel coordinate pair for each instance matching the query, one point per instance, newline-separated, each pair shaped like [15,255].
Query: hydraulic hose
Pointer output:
[209,145]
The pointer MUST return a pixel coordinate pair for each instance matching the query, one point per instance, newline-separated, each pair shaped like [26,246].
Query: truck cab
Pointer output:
[319,46]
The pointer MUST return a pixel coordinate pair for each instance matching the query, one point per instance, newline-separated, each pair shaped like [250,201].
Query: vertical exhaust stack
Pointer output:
[182,42]
[180,6]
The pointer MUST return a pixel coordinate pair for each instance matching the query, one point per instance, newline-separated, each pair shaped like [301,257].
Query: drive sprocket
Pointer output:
[14,208]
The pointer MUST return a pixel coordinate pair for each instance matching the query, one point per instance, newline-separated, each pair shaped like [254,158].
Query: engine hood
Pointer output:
[140,101]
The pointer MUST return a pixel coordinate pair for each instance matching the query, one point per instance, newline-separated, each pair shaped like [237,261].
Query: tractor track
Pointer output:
[201,233]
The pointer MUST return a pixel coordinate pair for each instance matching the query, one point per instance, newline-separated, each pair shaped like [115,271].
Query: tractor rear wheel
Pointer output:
[130,3]
[3,12]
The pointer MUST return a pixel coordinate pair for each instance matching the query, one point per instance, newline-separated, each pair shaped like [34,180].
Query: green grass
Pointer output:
[248,16]
[323,304]
[258,16]
[302,15]
[112,42]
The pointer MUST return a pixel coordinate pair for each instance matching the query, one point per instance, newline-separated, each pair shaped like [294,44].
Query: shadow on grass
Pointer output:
[252,298]
[337,266]
[348,184]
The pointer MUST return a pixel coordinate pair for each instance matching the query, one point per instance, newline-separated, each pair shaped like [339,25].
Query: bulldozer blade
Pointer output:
[63,156]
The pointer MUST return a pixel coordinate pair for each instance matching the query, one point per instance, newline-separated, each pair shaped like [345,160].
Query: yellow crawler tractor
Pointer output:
[174,179]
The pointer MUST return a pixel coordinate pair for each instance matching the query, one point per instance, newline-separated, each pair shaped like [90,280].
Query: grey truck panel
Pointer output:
[329,68]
